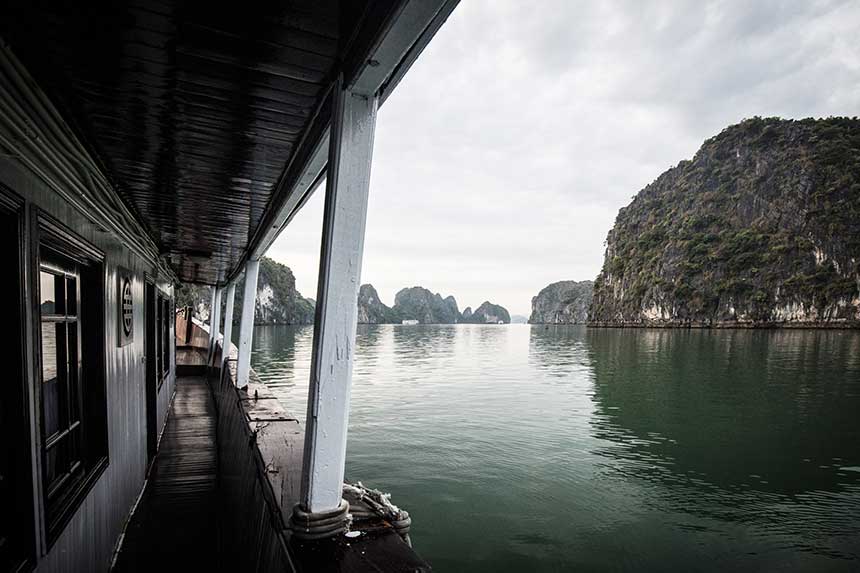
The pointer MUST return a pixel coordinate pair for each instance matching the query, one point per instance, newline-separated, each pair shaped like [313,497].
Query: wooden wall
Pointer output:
[88,540]
[253,532]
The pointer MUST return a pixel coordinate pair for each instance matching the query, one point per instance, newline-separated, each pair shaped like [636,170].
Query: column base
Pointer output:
[309,526]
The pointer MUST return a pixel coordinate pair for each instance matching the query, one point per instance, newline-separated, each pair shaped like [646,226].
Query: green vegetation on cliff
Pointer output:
[277,301]
[371,310]
[564,302]
[418,303]
[488,313]
[761,227]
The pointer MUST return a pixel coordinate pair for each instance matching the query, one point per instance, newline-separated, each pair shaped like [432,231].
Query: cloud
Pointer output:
[503,157]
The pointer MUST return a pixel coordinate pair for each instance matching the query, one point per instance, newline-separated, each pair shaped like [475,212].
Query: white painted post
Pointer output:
[214,323]
[347,187]
[228,324]
[246,326]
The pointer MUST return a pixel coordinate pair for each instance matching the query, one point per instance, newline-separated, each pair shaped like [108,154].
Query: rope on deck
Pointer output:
[371,503]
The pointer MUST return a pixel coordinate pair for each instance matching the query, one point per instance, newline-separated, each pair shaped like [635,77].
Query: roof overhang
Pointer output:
[211,124]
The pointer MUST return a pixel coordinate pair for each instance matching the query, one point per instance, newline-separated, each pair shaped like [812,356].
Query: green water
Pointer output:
[519,448]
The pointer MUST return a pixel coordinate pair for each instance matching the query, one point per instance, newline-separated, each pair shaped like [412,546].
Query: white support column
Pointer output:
[246,327]
[214,323]
[228,323]
[347,187]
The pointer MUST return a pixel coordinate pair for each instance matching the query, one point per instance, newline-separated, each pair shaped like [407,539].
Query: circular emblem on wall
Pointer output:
[127,307]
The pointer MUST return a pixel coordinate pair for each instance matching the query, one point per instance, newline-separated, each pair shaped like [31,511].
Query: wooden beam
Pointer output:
[214,323]
[409,32]
[347,187]
[246,326]
[228,324]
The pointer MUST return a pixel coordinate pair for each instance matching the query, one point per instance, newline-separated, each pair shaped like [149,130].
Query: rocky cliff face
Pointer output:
[488,313]
[760,228]
[564,302]
[371,310]
[198,297]
[277,302]
[417,303]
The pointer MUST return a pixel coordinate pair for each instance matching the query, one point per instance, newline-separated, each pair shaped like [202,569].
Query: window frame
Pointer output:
[69,393]
[162,339]
[165,338]
[50,237]
[19,553]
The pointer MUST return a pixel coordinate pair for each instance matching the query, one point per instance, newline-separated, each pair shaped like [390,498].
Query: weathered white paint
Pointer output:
[214,323]
[246,326]
[347,187]
[228,323]
[409,33]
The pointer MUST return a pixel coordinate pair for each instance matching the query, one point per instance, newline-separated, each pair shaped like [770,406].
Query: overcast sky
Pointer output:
[503,157]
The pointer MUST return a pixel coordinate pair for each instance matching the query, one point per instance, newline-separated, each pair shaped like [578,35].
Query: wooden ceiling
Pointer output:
[194,108]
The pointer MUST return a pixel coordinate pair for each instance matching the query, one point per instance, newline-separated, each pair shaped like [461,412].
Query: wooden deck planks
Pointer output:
[176,519]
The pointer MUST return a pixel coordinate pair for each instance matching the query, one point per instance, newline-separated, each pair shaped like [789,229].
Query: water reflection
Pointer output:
[557,349]
[754,428]
[281,357]
[421,344]
[767,410]
[561,448]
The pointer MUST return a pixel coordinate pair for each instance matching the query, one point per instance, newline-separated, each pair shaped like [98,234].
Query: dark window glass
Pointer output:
[165,336]
[71,296]
[52,464]
[73,438]
[158,339]
[73,383]
[61,407]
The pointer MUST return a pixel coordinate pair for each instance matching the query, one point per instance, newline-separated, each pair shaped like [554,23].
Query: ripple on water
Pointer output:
[560,448]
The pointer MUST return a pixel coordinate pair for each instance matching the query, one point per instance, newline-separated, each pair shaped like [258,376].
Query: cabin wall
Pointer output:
[87,542]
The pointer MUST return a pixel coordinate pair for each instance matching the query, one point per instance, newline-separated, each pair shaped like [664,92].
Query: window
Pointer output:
[71,388]
[165,336]
[162,336]
[62,408]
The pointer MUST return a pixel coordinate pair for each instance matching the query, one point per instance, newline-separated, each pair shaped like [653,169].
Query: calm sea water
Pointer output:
[519,448]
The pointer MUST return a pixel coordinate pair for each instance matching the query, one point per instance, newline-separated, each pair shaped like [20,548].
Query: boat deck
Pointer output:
[176,518]
[213,504]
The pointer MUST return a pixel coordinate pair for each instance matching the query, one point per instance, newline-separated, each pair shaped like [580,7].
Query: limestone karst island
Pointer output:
[760,228]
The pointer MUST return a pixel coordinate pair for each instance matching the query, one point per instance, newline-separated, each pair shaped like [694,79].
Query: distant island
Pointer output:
[421,305]
[760,229]
[279,302]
